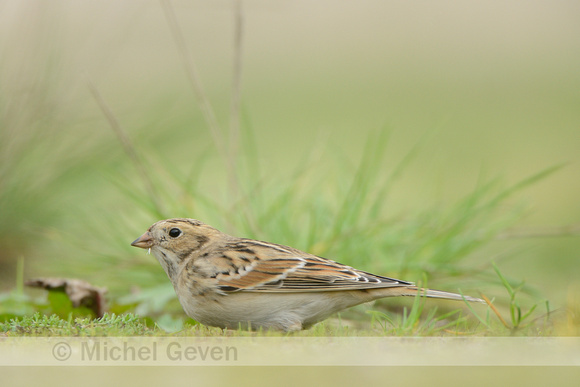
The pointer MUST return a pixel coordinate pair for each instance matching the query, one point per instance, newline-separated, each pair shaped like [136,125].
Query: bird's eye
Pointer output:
[175,232]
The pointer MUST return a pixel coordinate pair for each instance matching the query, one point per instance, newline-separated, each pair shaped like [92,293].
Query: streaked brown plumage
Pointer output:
[232,282]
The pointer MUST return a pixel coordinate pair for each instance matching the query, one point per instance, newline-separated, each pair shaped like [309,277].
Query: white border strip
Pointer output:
[289,351]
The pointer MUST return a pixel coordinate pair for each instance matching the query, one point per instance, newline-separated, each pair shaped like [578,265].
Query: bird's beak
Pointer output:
[145,241]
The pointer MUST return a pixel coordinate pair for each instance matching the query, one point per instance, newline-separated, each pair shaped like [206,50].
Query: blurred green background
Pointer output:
[487,89]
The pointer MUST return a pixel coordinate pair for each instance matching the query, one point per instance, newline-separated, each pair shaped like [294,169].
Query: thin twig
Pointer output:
[237,80]
[488,302]
[235,110]
[197,86]
[229,155]
[128,146]
[193,75]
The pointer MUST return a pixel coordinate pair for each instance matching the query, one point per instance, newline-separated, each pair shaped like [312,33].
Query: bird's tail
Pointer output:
[413,290]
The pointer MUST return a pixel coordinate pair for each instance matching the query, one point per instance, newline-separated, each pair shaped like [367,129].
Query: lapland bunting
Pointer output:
[231,282]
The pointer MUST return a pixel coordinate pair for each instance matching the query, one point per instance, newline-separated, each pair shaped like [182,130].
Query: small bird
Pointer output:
[231,282]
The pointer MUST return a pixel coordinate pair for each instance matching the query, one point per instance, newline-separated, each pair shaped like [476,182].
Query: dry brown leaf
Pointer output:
[78,291]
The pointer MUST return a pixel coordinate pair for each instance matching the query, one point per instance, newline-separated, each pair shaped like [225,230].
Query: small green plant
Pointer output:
[517,315]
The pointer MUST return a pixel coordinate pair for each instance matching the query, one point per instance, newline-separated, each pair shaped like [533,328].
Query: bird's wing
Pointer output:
[255,266]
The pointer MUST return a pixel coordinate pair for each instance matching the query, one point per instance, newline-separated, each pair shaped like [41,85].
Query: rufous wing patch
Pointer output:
[261,272]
